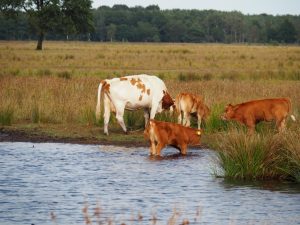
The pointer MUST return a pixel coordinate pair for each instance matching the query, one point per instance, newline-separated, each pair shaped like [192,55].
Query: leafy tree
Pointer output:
[69,16]
[287,32]
[111,32]
[147,32]
[59,19]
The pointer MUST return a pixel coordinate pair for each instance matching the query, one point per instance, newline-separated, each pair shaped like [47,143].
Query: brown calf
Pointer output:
[161,133]
[252,112]
[190,104]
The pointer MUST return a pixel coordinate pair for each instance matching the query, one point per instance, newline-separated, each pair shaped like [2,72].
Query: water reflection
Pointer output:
[63,183]
[280,186]
[174,156]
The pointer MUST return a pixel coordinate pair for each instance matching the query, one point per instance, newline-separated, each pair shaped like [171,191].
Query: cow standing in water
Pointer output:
[132,93]
[160,134]
[252,112]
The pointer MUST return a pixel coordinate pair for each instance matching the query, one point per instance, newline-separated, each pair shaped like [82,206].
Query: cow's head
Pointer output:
[228,113]
[167,101]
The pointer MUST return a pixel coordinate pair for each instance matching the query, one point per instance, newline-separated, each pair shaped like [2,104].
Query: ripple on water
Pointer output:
[128,185]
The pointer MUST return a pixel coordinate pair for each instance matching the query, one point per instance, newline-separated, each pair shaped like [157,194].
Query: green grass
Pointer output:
[6,116]
[134,120]
[35,113]
[259,156]
[214,122]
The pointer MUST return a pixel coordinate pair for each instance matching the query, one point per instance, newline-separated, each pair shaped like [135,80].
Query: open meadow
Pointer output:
[53,92]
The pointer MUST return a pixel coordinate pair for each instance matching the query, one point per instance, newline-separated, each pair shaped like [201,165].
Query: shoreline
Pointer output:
[7,135]
[12,134]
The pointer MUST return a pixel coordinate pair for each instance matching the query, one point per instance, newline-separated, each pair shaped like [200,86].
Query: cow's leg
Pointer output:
[179,118]
[146,116]
[106,114]
[186,119]
[251,128]
[250,125]
[281,125]
[120,118]
[159,147]
[199,120]
[153,110]
[183,148]
[152,148]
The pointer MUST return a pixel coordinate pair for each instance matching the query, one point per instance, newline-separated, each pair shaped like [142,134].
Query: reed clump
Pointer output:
[260,156]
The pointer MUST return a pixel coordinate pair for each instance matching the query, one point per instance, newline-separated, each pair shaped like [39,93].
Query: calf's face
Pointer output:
[228,113]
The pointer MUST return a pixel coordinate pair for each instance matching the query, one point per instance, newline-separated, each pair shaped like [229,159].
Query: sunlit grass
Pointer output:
[260,156]
[182,61]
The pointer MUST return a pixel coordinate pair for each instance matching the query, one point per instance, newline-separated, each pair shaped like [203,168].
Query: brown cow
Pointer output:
[190,104]
[161,133]
[252,112]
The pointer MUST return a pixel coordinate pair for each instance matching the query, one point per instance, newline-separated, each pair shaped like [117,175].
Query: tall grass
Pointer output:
[6,116]
[177,61]
[291,155]
[259,156]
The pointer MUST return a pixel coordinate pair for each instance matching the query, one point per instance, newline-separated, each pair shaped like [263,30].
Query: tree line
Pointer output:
[149,24]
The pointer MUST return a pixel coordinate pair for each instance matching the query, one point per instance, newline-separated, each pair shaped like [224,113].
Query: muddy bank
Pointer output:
[10,135]
[76,135]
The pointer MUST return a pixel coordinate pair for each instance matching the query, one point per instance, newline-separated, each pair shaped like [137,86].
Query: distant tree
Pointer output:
[147,32]
[59,19]
[69,16]
[111,32]
[287,32]
[153,7]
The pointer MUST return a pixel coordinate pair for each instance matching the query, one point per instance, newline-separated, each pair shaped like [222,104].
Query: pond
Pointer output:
[53,183]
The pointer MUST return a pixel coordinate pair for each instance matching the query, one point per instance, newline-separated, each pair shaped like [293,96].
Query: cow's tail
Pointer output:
[98,106]
[290,108]
[177,104]
[293,118]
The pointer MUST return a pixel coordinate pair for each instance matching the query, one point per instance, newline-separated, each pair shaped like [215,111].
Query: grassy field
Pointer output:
[53,92]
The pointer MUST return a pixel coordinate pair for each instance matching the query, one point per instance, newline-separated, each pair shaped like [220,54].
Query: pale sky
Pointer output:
[274,7]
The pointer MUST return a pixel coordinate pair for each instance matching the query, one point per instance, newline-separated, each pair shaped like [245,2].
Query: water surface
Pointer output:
[40,180]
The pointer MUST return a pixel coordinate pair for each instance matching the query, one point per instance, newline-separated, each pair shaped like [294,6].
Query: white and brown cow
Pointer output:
[132,93]
[190,104]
